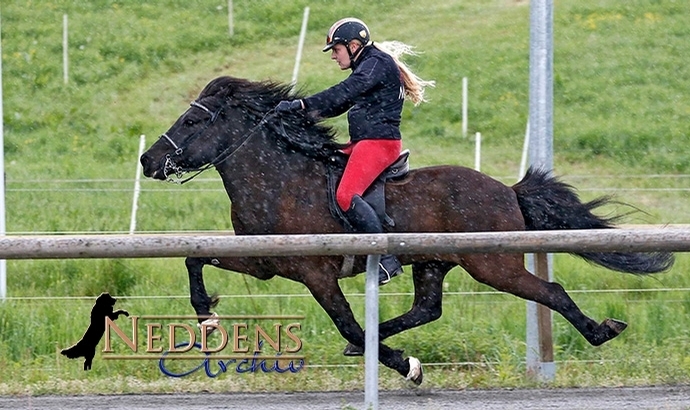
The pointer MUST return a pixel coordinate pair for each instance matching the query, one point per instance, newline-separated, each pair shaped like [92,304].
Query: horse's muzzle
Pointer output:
[152,168]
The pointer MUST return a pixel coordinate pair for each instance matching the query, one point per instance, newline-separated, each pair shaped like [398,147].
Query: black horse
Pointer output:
[274,170]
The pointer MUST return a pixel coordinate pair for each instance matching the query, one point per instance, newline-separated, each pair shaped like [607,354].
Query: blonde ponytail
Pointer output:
[414,86]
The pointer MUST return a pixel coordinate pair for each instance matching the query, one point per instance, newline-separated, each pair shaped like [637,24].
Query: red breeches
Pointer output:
[368,158]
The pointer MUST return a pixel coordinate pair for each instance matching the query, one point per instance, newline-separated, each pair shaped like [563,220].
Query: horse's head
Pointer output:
[200,137]
[222,120]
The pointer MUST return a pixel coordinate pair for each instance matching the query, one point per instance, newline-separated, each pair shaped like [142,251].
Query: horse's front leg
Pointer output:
[325,289]
[201,301]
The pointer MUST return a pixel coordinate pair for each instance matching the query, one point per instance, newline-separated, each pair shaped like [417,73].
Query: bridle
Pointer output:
[171,167]
[214,115]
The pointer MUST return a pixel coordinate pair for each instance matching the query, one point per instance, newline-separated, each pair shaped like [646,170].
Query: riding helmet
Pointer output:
[345,30]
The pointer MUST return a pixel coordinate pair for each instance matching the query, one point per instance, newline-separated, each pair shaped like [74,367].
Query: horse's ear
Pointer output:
[225,92]
[224,95]
[224,88]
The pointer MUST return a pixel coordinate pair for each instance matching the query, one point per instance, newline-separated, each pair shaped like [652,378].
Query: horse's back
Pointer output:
[452,199]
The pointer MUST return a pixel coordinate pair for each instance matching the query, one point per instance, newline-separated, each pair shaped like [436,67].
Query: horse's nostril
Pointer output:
[146,164]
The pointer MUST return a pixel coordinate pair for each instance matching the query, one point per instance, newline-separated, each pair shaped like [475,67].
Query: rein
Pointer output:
[179,172]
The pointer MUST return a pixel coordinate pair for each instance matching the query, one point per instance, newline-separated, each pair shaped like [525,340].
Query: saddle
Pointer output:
[375,195]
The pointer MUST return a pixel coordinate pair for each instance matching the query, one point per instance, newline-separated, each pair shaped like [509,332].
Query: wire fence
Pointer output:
[474,296]
[354,295]
[214,180]
[120,190]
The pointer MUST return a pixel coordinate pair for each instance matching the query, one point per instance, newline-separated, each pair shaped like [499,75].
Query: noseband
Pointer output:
[171,167]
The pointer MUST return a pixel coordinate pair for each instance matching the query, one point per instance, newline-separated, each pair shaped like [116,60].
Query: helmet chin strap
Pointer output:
[355,54]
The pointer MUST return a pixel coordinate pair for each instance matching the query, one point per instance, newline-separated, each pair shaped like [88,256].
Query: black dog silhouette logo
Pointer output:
[86,347]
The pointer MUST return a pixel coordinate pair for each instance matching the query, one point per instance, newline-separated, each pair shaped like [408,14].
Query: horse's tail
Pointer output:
[549,204]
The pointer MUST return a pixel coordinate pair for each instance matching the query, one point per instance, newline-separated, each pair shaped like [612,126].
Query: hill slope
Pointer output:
[619,89]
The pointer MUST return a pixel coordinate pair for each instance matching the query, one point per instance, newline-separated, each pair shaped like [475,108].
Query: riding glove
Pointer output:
[288,106]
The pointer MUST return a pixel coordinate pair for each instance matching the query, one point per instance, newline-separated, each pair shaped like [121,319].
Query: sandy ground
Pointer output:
[667,397]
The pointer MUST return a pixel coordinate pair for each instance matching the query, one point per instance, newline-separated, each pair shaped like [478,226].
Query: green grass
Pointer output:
[70,156]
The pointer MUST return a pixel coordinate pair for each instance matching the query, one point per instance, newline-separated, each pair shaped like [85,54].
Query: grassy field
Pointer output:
[621,122]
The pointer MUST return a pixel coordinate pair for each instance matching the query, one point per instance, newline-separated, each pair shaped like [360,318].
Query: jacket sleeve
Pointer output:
[341,97]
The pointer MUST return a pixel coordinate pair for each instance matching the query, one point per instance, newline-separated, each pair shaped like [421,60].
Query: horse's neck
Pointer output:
[250,167]
[262,179]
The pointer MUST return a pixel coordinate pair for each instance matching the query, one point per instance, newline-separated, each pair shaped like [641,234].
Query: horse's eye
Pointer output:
[188,123]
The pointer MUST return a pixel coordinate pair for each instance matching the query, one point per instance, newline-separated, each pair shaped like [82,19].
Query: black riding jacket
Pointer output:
[373,93]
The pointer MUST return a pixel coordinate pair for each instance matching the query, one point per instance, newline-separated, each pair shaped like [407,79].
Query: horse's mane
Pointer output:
[296,132]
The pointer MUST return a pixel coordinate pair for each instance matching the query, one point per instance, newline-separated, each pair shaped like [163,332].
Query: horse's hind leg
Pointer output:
[428,294]
[508,274]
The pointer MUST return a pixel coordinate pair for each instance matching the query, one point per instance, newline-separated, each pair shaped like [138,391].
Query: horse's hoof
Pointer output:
[352,350]
[607,330]
[415,375]
[210,324]
[616,326]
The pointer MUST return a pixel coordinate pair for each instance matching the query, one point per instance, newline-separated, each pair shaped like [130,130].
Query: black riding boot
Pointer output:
[363,219]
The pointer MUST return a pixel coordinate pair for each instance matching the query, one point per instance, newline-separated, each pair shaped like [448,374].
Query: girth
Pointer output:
[375,195]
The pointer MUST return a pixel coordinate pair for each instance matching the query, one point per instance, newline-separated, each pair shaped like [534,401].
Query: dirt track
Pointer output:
[676,397]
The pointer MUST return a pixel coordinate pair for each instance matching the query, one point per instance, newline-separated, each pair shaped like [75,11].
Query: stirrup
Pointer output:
[388,273]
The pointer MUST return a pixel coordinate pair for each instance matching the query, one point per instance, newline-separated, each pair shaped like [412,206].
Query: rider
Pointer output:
[373,93]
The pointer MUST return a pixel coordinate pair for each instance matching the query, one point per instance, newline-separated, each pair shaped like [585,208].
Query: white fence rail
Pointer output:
[140,246]
[161,246]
